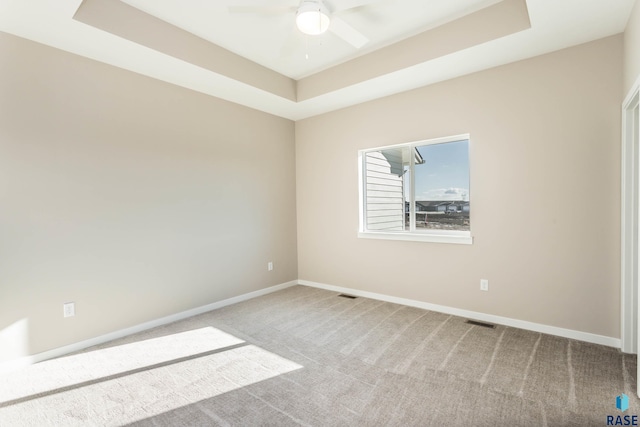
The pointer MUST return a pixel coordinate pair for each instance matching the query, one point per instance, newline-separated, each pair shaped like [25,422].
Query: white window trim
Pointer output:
[433,236]
[418,237]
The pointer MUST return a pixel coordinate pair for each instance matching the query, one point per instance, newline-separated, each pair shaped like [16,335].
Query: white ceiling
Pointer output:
[272,41]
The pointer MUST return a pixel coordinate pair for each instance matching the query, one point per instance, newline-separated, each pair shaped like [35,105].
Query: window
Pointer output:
[417,191]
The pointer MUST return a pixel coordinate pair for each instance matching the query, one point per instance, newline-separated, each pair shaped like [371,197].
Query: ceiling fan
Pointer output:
[315,17]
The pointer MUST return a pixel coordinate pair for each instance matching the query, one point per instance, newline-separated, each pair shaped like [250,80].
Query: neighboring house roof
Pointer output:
[397,161]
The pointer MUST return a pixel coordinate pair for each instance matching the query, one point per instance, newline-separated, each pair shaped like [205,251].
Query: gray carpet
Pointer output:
[304,356]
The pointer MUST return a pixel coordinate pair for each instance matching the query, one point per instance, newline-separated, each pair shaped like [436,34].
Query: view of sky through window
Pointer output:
[444,175]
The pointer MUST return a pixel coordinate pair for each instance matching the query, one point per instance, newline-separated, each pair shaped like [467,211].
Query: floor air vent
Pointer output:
[484,325]
[347,296]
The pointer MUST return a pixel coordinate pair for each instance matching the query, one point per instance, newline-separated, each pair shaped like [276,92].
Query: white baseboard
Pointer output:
[506,321]
[521,324]
[21,362]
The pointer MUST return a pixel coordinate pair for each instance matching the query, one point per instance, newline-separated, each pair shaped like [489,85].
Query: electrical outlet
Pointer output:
[69,309]
[270,266]
[484,285]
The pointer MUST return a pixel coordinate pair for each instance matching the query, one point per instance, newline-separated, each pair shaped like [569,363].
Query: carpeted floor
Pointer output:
[305,356]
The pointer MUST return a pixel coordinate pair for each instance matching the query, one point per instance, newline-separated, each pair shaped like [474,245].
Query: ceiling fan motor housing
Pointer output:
[312,17]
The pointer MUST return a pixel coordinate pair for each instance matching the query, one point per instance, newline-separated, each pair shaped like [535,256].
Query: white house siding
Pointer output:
[385,201]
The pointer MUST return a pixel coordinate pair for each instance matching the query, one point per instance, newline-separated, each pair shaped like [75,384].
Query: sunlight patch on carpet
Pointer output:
[90,366]
[118,399]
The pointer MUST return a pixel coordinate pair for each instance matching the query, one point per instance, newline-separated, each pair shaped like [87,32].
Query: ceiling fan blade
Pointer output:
[347,33]
[343,5]
[262,10]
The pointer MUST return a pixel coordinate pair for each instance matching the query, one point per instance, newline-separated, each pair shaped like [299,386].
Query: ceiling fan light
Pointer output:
[312,18]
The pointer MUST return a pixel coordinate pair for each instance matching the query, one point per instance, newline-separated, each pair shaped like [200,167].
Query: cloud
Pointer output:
[445,194]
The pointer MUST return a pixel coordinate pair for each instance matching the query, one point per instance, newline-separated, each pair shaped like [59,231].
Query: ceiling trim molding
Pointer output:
[125,21]
[122,20]
[491,23]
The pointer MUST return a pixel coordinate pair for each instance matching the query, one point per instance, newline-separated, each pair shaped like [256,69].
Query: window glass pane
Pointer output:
[384,177]
[442,186]
[406,193]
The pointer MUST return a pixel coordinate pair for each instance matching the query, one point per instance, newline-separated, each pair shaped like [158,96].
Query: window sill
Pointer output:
[462,238]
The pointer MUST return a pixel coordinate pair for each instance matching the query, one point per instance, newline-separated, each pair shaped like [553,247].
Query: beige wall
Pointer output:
[545,192]
[632,49]
[138,199]
[134,198]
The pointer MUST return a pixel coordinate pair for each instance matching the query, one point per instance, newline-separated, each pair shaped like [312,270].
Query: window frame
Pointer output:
[433,236]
